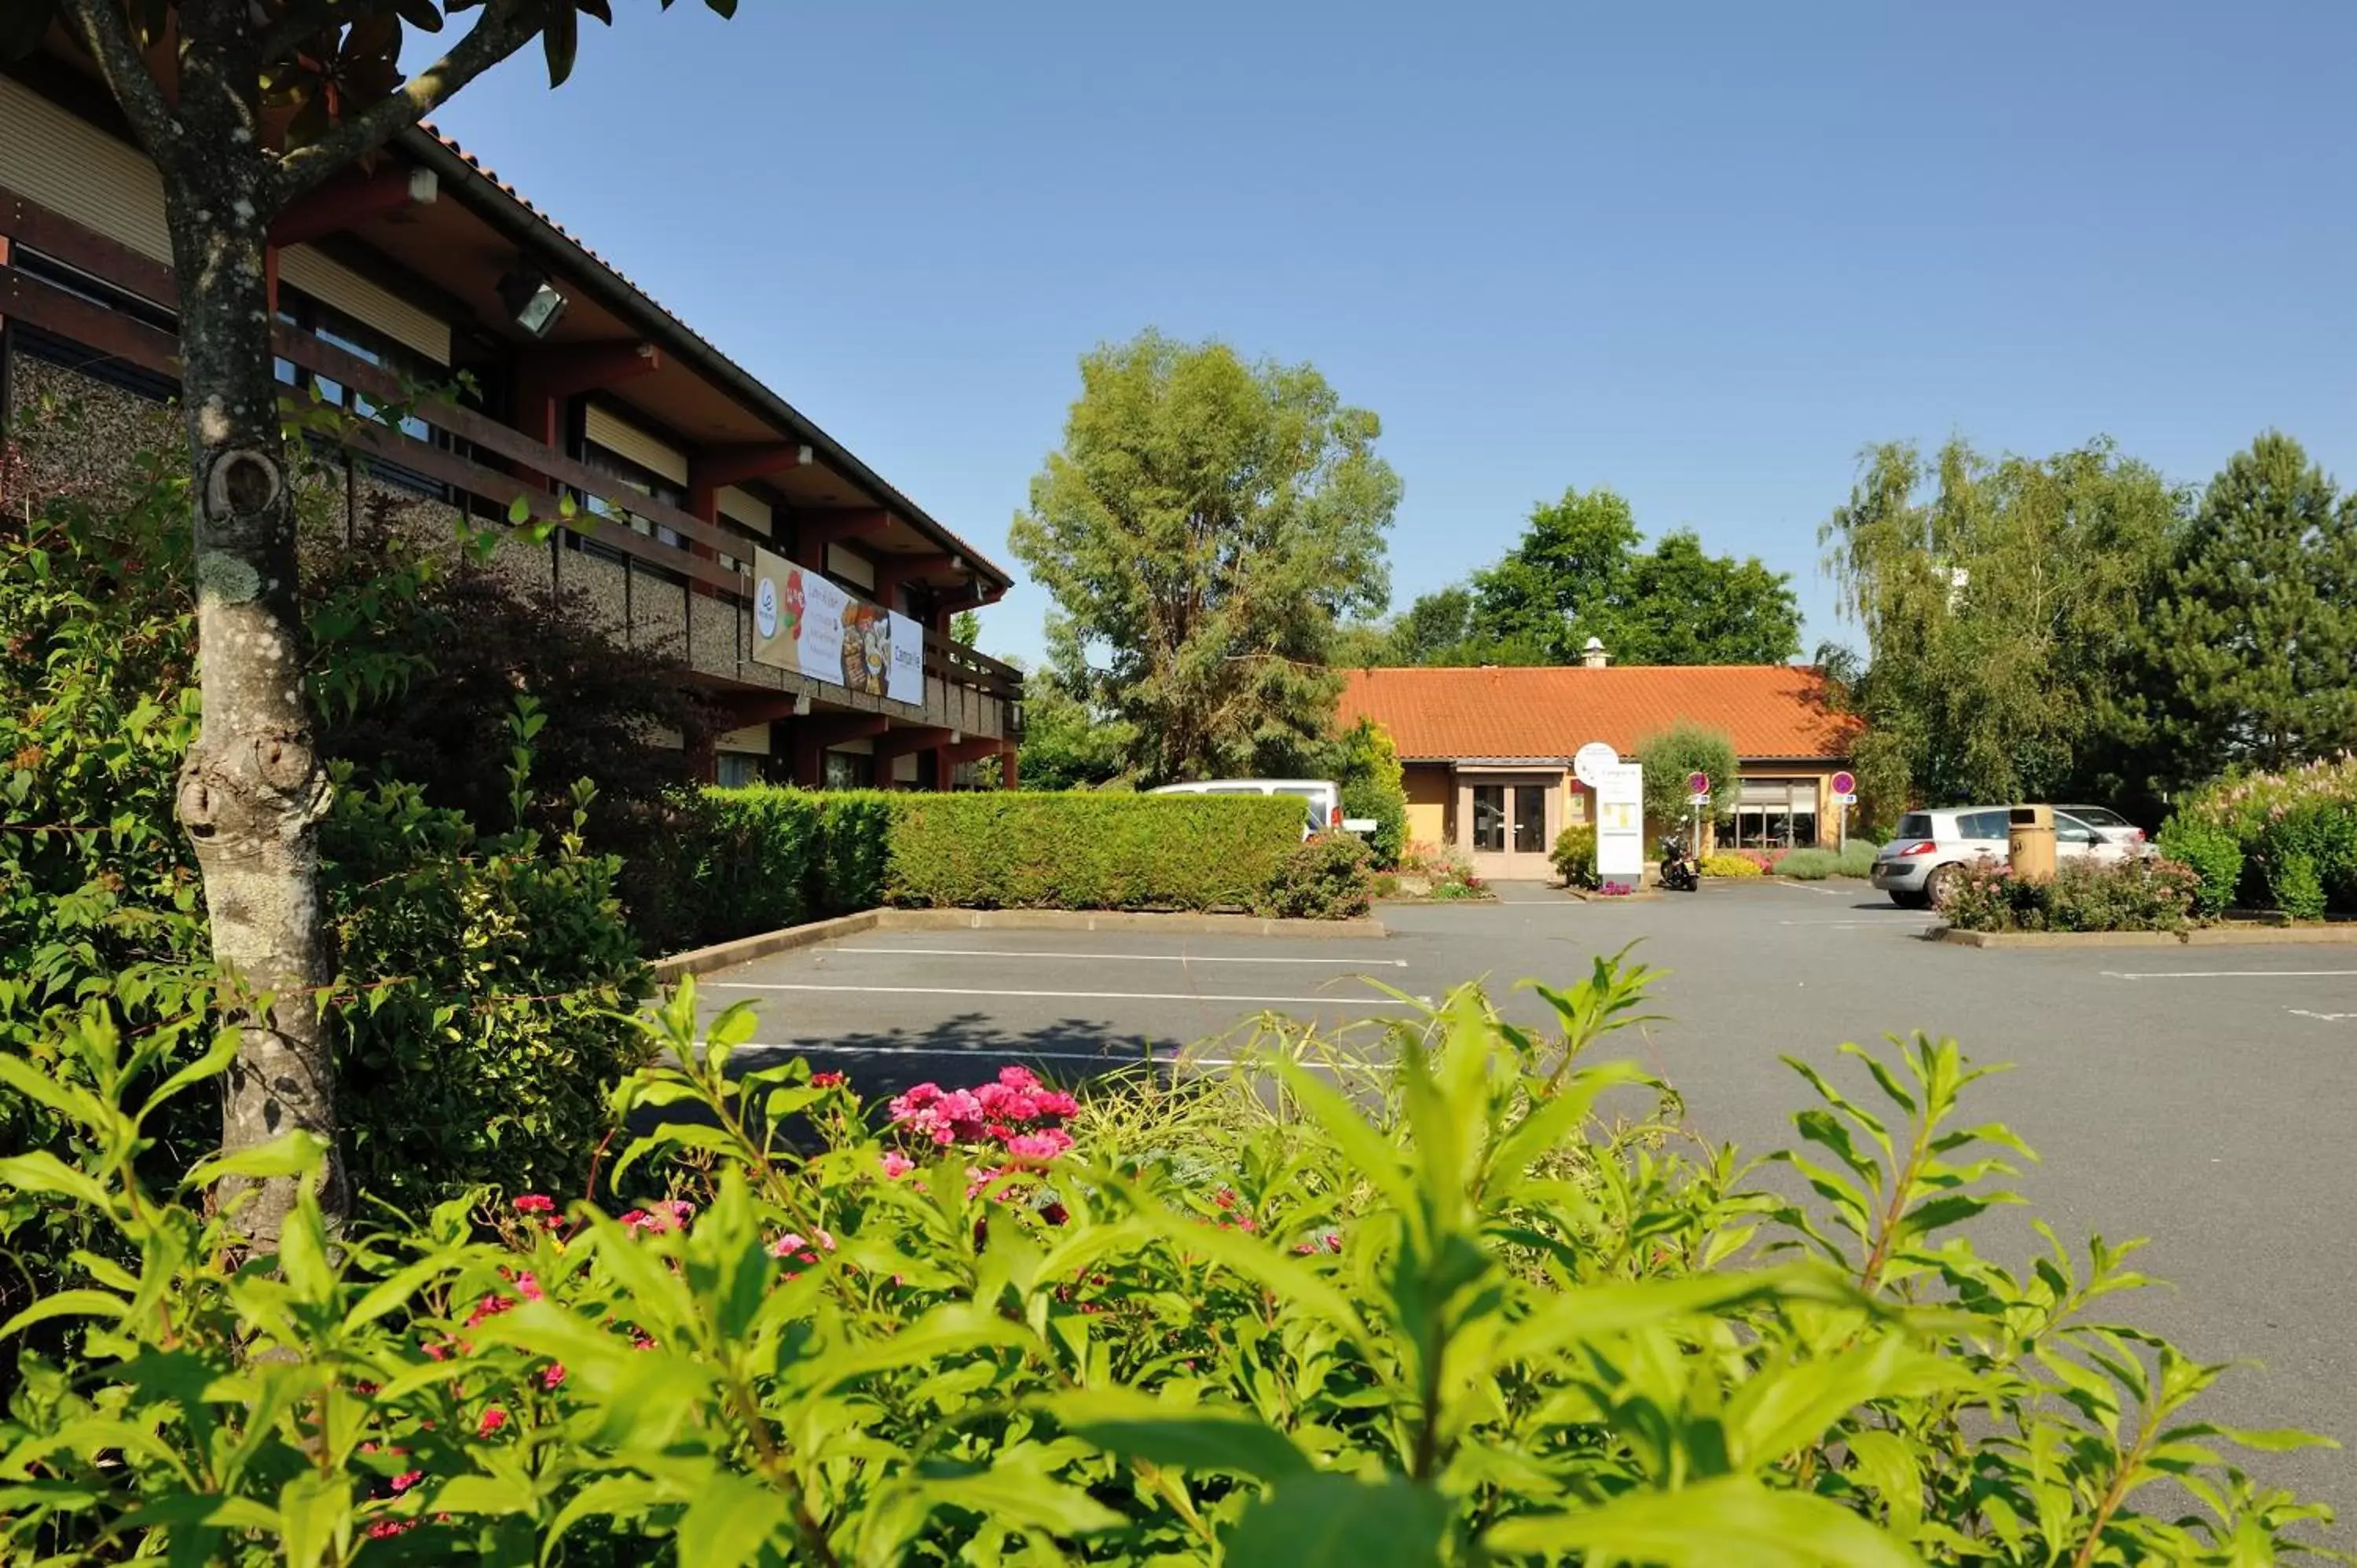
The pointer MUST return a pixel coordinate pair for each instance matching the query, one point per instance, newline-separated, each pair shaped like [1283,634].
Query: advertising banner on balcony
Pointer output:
[907,682]
[804,622]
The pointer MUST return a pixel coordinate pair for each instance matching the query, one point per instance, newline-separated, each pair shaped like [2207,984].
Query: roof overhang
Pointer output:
[465,184]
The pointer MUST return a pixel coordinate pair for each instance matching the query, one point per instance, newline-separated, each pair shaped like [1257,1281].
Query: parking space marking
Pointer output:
[1072,995]
[1125,957]
[2321,1017]
[2231,975]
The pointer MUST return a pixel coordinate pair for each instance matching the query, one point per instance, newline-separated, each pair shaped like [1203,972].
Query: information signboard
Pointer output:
[1620,823]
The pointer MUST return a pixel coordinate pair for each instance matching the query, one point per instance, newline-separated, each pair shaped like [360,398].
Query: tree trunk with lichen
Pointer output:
[252,789]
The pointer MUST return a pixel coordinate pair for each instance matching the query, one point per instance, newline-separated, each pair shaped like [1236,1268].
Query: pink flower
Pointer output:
[385,1528]
[671,1214]
[1038,1148]
[897,1165]
[793,1244]
[554,1377]
[1017,1078]
[407,1480]
[535,1203]
[493,1419]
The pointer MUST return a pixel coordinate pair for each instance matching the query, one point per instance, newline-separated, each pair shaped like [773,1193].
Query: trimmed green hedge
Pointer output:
[1018,851]
[757,858]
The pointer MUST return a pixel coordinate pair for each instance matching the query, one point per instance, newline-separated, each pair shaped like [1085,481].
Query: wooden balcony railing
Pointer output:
[532,468]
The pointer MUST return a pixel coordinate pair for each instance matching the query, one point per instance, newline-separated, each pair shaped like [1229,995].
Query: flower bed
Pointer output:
[2133,894]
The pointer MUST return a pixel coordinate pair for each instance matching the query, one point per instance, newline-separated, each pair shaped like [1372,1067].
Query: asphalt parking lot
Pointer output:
[2203,1097]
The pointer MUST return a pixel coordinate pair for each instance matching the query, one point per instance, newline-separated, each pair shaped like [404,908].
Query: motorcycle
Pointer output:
[1680,872]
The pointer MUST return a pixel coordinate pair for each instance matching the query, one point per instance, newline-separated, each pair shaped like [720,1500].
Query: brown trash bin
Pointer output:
[2030,841]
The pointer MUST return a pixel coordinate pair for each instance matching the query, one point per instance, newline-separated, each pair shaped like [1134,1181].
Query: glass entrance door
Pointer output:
[1510,819]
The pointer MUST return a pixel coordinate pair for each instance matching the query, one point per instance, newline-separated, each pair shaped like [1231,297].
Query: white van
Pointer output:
[1322,798]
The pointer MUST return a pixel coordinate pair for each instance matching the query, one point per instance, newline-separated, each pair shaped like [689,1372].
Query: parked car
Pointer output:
[2116,838]
[1926,858]
[1321,799]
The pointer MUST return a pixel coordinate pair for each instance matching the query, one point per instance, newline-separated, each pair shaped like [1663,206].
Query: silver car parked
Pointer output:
[1925,860]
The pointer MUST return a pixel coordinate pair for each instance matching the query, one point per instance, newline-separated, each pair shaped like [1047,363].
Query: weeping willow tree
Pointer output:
[2002,602]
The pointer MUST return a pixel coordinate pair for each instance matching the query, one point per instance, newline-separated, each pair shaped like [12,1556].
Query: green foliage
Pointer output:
[1415,1304]
[1856,859]
[1065,745]
[1202,528]
[1375,785]
[1326,876]
[2213,853]
[479,974]
[1574,855]
[1019,851]
[856,845]
[1731,865]
[2002,603]
[2285,840]
[483,977]
[2139,894]
[2249,652]
[1671,755]
[1579,571]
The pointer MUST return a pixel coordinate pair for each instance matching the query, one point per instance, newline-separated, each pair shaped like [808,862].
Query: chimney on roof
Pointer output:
[1593,656]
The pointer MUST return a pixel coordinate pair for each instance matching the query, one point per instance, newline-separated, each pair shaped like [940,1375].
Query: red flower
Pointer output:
[493,1419]
[535,1203]
[826,1080]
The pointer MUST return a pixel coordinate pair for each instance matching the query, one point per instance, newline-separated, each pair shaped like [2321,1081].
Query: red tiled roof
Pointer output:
[1769,710]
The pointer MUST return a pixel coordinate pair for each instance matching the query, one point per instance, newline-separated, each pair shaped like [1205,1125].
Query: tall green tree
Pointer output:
[246,106]
[1205,525]
[1580,570]
[2001,602]
[2252,648]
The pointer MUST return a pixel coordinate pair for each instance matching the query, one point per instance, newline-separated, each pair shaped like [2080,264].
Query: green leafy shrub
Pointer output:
[2285,840]
[1856,858]
[1421,1303]
[855,850]
[1326,877]
[1574,855]
[752,858]
[1014,850]
[1811,865]
[2213,853]
[1673,755]
[1730,865]
[2133,894]
[1375,786]
[483,977]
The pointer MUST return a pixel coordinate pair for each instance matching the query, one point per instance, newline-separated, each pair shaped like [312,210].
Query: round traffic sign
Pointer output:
[1697,783]
[1845,783]
[1588,763]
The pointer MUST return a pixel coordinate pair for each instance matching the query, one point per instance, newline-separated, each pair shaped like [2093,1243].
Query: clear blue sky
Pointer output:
[1701,254]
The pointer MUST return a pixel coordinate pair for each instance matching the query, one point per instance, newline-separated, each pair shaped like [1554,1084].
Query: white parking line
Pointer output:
[1125,957]
[2321,1017]
[1072,995]
[2231,975]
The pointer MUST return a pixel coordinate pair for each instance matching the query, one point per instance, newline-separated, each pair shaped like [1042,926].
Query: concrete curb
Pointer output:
[2200,937]
[744,950]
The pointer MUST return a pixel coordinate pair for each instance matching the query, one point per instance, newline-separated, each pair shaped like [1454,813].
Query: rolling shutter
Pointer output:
[629,442]
[851,566]
[333,283]
[54,158]
[740,508]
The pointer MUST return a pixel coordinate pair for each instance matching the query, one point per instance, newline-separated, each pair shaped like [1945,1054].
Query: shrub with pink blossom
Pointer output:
[1442,1313]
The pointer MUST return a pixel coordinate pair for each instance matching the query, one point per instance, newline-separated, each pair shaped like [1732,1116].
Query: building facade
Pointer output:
[1488,752]
[690,503]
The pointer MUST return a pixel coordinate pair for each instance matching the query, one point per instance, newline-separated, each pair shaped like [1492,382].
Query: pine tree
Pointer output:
[2253,647]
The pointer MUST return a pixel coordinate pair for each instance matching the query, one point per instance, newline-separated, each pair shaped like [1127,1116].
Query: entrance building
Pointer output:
[1487,752]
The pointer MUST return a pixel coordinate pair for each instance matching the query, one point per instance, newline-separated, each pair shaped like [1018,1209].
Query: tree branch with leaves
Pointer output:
[244,105]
